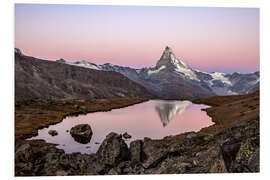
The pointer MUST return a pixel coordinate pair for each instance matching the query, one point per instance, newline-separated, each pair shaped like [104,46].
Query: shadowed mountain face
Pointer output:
[172,78]
[168,111]
[36,78]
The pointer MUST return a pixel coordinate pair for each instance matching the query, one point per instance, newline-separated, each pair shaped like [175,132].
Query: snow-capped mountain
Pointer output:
[172,78]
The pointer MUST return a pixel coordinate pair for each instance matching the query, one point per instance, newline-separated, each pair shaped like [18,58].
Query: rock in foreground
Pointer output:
[233,150]
[113,150]
[82,133]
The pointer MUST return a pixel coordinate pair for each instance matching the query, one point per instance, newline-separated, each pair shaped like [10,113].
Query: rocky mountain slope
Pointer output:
[36,78]
[172,78]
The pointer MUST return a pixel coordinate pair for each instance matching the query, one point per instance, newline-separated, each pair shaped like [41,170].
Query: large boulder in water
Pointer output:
[53,132]
[113,150]
[82,133]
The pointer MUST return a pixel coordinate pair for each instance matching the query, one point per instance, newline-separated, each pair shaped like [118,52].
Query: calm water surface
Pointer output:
[154,119]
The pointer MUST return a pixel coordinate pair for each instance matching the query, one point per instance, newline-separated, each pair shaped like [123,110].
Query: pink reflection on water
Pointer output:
[154,119]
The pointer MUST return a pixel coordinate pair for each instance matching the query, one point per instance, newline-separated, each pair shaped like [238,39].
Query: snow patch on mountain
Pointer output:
[231,93]
[86,64]
[178,63]
[215,82]
[138,71]
[187,72]
[221,77]
[150,72]
[256,81]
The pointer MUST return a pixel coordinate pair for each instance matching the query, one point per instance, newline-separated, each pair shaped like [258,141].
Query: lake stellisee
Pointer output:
[155,119]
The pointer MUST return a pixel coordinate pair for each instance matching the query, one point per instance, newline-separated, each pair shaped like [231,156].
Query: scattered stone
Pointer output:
[76,106]
[82,133]
[83,108]
[218,166]
[112,172]
[53,132]
[195,162]
[126,135]
[191,135]
[61,173]
[208,137]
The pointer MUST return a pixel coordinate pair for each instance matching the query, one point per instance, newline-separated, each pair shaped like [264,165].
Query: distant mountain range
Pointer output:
[172,78]
[42,79]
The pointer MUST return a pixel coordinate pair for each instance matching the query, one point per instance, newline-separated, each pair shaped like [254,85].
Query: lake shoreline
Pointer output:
[171,148]
[154,119]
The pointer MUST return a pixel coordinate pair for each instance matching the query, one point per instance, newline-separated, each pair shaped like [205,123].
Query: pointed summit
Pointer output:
[168,59]
[167,54]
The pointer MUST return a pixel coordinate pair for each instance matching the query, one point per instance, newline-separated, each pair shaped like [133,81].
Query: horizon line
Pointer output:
[70,60]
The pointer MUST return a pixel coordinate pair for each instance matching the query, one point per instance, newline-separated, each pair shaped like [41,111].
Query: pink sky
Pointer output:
[210,39]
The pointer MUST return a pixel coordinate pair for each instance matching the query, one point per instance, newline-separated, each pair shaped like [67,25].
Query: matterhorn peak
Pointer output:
[168,59]
[168,54]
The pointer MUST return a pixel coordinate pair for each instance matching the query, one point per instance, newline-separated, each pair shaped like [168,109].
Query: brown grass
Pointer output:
[32,115]
[227,111]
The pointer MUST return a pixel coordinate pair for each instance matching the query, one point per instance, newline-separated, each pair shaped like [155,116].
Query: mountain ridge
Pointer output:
[172,78]
[41,79]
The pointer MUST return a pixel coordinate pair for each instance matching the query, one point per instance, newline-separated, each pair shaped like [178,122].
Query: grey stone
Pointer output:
[113,150]
[135,151]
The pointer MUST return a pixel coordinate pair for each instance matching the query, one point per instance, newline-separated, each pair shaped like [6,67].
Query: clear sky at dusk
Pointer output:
[209,39]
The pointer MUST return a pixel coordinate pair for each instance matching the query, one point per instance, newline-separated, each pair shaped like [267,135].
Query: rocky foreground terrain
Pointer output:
[232,144]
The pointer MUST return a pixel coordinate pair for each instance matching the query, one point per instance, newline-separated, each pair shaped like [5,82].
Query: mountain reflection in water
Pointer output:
[167,111]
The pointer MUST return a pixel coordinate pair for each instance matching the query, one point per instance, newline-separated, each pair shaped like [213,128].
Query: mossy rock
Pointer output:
[247,149]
